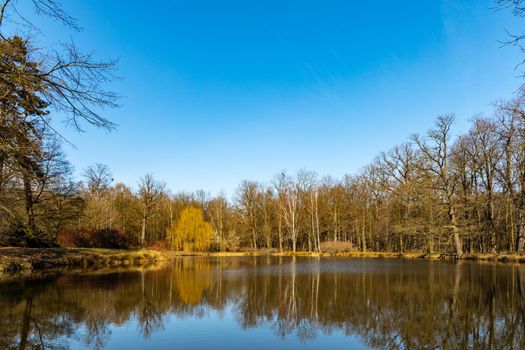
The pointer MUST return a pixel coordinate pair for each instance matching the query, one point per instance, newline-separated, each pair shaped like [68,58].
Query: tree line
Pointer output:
[434,193]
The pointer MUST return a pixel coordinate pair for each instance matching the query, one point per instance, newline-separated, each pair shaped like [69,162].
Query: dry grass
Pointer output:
[505,258]
[332,247]
[253,253]
[27,260]
[502,258]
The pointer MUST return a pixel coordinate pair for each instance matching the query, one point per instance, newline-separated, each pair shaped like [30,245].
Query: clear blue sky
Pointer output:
[221,91]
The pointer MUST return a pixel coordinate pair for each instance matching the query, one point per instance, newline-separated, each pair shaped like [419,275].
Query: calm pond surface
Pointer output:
[271,303]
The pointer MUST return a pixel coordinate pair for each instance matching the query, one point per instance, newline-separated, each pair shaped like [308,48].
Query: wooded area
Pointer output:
[434,193]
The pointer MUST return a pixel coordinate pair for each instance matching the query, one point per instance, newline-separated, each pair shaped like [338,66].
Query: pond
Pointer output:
[271,303]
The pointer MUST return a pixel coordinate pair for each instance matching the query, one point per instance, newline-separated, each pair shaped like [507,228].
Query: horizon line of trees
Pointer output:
[433,193]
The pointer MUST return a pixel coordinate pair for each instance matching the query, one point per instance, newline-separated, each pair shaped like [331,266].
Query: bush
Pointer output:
[232,242]
[159,245]
[331,247]
[20,235]
[268,251]
[85,238]
[74,237]
[112,238]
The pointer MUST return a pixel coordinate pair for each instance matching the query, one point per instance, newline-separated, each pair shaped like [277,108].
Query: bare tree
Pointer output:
[48,8]
[150,193]
[63,78]
[515,114]
[436,148]
[98,177]
[247,199]
[518,9]
[218,208]
[507,120]
[487,154]
[400,166]
[288,196]
[308,183]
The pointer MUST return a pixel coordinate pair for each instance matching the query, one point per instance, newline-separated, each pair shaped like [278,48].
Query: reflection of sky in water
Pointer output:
[216,329]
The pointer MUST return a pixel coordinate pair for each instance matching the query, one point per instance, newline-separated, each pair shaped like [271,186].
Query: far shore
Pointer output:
[504,258]
[26,261]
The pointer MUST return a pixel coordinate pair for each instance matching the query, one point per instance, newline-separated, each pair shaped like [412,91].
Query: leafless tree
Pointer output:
[436,148]
[150,193]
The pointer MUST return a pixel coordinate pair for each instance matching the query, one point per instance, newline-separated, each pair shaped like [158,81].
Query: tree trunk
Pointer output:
[28,194]
[317,223]
[454,223]
[294,234]
[254,238]
[363,238]
[311,234]
[143,232]
[509,219]
[280,232]
[335,225]
[2,162]
[455,231]
[490,209]
[520,241]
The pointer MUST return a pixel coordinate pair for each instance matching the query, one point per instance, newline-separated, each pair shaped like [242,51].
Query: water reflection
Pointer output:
[385,304]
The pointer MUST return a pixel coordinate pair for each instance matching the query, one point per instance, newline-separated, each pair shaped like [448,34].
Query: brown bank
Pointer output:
[28,260]
[25,261]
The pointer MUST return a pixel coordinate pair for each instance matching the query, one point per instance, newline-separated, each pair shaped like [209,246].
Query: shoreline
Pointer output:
[504,258]
[28,261]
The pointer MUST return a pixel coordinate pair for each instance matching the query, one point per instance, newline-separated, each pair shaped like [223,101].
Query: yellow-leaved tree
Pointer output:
[191,233]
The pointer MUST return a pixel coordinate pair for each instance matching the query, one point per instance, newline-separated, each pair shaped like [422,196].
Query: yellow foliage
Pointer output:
[191,233]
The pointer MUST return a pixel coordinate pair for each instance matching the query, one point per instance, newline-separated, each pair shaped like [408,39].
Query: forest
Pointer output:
[434,193]
[437,192]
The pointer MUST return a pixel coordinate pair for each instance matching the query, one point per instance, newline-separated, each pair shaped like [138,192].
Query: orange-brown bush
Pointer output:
[85,238]
[268,251]
[160,245]
[331,247]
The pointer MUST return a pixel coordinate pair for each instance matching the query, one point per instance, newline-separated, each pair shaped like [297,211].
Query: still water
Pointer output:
[271,303]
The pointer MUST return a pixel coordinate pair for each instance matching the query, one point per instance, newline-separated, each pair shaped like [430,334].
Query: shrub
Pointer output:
[232,242]
[332,247]
[112,239]
[20,235]
[159,245]
[74,237]
[268,251]
[85,238]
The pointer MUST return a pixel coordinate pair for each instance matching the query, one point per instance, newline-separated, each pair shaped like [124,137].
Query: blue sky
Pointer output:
[220,91]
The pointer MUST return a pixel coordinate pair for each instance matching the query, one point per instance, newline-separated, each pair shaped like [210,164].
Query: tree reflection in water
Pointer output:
[388,304]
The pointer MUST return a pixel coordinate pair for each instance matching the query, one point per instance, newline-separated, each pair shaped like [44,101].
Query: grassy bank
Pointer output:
[366,255]
[28,260]
[504,258]
[381,255]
